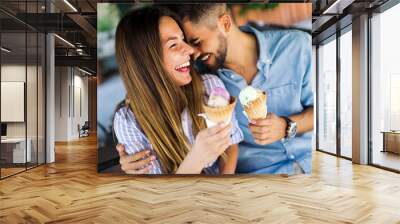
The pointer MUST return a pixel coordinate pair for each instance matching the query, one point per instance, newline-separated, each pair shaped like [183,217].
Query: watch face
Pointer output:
[292,129]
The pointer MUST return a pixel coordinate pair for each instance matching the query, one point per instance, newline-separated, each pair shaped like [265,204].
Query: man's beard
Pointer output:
[220,57]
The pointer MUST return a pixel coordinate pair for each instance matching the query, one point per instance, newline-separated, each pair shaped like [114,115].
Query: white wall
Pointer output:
[12,73]
[80,89]
[61,103]
[16,73]
[70,83]
[33,126]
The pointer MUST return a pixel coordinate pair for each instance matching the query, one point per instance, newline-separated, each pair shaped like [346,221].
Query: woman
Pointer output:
[164,98]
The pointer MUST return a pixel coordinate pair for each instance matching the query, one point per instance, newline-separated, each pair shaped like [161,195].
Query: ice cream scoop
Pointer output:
[219,97]
[254,102]
[248,95]
[218,107]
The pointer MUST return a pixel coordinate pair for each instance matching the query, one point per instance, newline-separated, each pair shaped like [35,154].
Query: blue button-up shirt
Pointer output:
[284,70]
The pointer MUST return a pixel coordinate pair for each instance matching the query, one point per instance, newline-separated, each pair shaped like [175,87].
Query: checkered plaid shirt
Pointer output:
[130,134]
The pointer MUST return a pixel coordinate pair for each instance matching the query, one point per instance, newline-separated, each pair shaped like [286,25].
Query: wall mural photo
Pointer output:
[208,89]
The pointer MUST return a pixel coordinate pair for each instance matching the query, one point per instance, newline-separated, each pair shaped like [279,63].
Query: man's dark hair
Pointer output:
[206,12]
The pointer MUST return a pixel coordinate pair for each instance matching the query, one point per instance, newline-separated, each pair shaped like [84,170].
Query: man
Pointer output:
[277,62]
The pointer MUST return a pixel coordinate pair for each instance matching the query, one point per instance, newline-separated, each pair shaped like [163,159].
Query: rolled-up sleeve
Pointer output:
[128,132]
[131,136]
[307,93]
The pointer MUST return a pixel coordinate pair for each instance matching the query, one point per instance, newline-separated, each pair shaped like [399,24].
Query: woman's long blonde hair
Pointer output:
[155,99]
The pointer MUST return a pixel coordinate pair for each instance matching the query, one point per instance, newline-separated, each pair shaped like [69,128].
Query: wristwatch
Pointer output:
[291,129]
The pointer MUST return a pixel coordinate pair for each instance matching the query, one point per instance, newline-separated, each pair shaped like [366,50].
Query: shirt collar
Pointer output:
[264,57]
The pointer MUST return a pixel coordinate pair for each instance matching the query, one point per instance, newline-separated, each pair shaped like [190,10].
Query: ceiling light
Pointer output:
[70,5]
[5,49]
[64,40]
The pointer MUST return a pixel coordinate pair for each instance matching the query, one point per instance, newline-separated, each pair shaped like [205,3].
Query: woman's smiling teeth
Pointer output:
[183,67]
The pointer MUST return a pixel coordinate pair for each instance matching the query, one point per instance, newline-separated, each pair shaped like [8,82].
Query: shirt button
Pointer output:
[232,76]
[268,61]
[291,156]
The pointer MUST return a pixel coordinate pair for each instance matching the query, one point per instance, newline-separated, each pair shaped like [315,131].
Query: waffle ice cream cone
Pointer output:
[220,114]
[218,107]
[254,103]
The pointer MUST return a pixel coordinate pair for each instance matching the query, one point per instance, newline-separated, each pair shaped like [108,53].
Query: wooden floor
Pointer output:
[10,171]
[71,191]
[388,159]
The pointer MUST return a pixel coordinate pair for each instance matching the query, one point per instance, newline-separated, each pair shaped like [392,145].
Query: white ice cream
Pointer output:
[248,94]
[217,101]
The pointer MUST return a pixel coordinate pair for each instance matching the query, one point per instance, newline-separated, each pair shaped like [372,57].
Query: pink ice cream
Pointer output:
[219,97]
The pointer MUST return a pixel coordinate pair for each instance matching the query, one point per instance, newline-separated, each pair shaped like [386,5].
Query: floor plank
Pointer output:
[71,191]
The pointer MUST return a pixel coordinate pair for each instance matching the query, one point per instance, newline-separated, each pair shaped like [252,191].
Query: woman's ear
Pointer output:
[225,22]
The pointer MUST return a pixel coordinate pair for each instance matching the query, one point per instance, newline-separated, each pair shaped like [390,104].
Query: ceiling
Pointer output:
[73,21]
[332,15]
[76,20]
